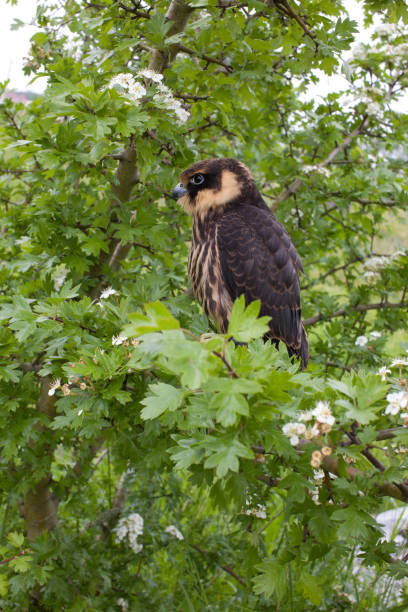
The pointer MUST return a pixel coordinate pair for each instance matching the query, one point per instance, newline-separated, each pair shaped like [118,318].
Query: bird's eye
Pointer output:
[197,179]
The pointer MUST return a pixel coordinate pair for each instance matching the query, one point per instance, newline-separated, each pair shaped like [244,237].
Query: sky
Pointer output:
[16,43]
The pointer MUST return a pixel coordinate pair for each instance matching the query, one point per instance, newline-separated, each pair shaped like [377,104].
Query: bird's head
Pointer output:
[214,183]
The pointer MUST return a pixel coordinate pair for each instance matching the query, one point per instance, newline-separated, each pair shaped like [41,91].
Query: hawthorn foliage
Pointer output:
[119,401]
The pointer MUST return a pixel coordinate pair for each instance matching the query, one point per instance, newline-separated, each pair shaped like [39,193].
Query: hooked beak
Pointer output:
[178,191]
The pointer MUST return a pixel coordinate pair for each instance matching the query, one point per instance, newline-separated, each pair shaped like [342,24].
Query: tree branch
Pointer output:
[179,13]
[332,271]
[206,58]
[357,308]
[331,464]
[40,508]
[285,7]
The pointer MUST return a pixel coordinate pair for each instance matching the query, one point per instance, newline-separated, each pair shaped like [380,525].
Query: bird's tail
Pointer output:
[303,352]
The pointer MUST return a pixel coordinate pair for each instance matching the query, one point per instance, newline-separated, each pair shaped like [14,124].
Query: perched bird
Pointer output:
[239,247]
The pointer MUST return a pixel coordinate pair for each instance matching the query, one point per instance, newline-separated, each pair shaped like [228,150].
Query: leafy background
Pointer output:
[126,402]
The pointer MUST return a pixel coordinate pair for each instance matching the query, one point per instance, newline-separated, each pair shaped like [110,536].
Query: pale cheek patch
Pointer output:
[209,198]
[186,203]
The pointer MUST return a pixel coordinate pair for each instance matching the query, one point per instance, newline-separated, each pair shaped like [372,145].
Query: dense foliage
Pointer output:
[147,462]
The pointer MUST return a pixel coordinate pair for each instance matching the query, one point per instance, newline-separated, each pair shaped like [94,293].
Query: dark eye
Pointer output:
[197,179]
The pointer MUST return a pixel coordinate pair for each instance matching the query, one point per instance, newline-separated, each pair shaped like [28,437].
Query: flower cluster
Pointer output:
[59,276]
[127,85]
[324,420]
[400,362]
[130,527]
[362,340]
[318,169]
[117,340]
[370,97]
[373,265]
[107,292]
[396,402]
[259,511]
[383,371]
[174,532]
[56,384]
[165,97]
[385,33]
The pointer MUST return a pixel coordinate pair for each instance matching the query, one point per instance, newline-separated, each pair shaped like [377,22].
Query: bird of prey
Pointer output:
[239,247]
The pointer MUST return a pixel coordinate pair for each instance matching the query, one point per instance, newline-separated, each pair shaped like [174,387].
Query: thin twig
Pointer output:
[205,57]
[27,551]
[297,182]
[226,568]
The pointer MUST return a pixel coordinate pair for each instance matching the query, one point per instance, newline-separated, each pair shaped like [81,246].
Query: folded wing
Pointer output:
[259,260]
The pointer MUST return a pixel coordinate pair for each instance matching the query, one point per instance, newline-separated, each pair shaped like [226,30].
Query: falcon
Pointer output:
[239,247]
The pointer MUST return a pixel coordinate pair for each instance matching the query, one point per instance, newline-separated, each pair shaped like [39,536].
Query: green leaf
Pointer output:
[21,564]
[3,585]
[229,407]
[271,580]
[244,324]
[165,397]
[225,458]
[16,539]
[308,585]
[157,318]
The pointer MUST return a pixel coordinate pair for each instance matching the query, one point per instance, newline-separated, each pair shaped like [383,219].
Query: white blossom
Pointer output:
[396,401]
[56,384]
[122,603]
[306,416]
[126,85]
[165,97]
[318,476]
[107,292]
[322,170]
[383,371]
[117,340]
[376,263]
[361,340]
[259,511]
[121,79]
[182,114]
[315,496]
[136,91]
[370,274]
[59,276]
[173,531]
[156,77]
[293,431]
[399,362]
[373,108]
[323,413]
[398,254]
[312,432]
[375,334]
[297,212]
[130,527]
[318,169]
[385,29]
[359,52]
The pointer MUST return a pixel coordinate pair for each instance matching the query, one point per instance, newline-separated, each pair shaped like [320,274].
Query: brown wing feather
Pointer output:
[259,260]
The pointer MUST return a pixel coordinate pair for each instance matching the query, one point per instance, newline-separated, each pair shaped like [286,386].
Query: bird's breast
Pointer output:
[204,269]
